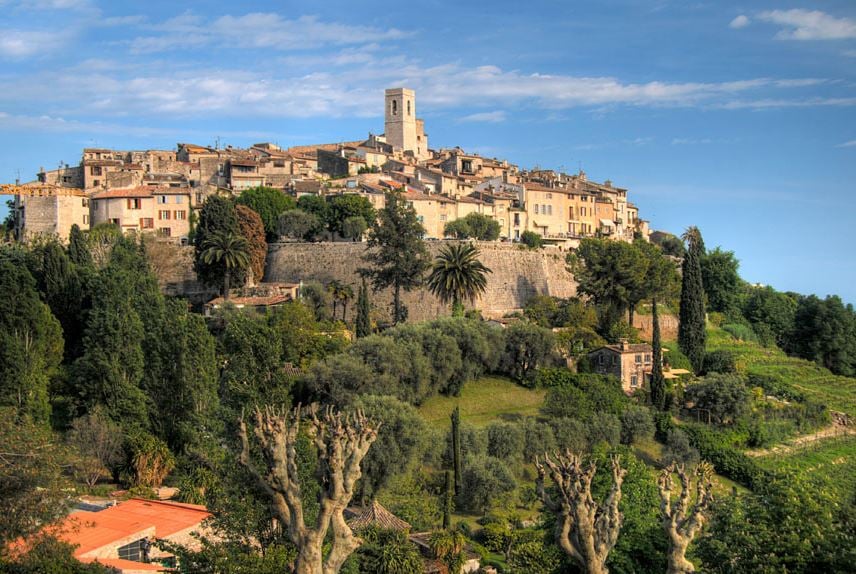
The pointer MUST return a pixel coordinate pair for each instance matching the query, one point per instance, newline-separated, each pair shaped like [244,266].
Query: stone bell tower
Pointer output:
[400,119]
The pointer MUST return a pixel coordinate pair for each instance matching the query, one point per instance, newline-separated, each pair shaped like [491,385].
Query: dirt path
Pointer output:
[836,429]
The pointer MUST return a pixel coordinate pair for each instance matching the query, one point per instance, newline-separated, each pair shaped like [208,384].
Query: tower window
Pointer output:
[395,107]
[408,107]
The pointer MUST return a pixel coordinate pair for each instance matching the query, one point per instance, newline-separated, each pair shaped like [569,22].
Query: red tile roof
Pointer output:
[252,301]
[89,531]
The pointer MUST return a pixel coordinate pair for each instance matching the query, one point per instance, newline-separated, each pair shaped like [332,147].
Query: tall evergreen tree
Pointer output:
[658,382]
[31,344]
[397,255]
[364,322]
[457,463]
[78,249]
[218,215]
[691,331]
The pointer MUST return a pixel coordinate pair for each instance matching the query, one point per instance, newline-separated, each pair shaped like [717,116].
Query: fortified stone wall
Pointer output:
[517,275]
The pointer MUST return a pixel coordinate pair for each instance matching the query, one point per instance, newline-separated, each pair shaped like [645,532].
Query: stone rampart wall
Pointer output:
[517,275]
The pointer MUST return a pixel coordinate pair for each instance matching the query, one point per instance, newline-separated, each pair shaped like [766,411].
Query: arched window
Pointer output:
[395,107]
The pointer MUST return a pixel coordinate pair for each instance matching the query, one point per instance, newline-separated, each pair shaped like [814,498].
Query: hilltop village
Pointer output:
[157,191]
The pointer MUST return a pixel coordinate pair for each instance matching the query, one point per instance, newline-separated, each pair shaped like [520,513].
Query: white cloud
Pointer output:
[17,44]
[801,24]
[109,88]
[488,117]
[851,143]
[257,30]
[740,21]
[56,4]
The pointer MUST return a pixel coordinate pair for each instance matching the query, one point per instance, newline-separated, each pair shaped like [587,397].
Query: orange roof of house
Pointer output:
[120,193]
[126,565]
[92,530]
[251,301]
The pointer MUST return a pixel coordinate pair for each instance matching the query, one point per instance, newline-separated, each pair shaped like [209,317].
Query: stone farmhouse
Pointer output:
[156,190]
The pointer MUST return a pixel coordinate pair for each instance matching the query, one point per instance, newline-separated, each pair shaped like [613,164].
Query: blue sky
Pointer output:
[739,118]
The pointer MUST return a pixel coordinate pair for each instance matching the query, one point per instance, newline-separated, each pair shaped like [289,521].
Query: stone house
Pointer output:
[630,362]
[161,210]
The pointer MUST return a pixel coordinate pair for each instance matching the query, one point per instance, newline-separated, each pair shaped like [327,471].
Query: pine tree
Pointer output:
[397,255]
[658,383]
[691,332]
[364,323]
[456,450]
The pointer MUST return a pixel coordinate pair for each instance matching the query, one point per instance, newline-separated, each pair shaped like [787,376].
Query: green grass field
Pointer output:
[818,384]
[483,401]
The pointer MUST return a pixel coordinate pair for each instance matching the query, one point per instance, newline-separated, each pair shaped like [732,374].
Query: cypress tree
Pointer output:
[456,450]
[691,333]
[78,250]
[364,323]
[658,383]
[447,500]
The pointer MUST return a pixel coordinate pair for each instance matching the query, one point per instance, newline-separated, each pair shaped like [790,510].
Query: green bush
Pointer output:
[741,332]
[727,460]
[719,361]
[531,239]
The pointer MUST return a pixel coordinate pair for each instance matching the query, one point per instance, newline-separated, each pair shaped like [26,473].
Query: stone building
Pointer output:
[161,210]
[631,363]
[49,210]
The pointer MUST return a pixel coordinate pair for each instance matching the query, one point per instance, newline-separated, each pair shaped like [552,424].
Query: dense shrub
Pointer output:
[727,460]
[719,361]
[527,348]
[722,397]
[580,396]
[741,332]
[636,424]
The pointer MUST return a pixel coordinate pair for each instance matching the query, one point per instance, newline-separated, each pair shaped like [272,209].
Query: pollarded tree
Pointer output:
[230,250]
[397,256]
[585,530]
[341,441]
[681,519]
[457,275]
[691,330]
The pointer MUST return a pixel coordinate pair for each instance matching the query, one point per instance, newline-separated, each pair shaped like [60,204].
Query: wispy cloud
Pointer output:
[851,143]
[17,44]
[740,21]
[257,30]
[488,117]
[798,24]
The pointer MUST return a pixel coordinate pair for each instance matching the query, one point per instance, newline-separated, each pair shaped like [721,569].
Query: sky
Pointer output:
[739,118]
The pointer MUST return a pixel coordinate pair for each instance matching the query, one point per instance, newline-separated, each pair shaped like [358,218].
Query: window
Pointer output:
[180,215]
[601,359]
[163,214]
[549,210]
[408,107]
[134,203]
[536,209]
[84,202]
[85,220]
[95,170]
[549,196]
[648,357]
[571,212]
[634,381]
[442,217]
[279,164]
[132,551]
[198,198]
[164,231]
[114,220]
[161,199]
[395,107]
[96,183]
[179,199]
[147,223]
[638,359]
[516,219]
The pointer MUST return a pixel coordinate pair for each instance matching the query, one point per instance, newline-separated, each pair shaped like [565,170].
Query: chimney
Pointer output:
[625,345]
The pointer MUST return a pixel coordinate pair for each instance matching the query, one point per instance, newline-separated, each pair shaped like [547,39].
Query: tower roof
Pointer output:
[376,515]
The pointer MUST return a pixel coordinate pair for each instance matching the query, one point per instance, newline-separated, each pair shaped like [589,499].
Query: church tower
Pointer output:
[400,120]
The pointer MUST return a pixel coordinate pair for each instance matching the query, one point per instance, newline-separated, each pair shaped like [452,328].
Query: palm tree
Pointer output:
[457,275]
[230,249]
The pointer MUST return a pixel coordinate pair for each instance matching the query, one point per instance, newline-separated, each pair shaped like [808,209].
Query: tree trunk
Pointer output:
[396,304]
[309,558]
[678,563]
[226,281]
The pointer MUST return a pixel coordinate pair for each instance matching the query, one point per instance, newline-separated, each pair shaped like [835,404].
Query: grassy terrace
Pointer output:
[830,463]
[817,383]
[483,401]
